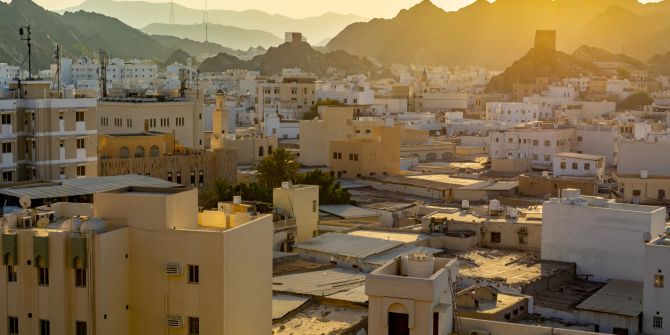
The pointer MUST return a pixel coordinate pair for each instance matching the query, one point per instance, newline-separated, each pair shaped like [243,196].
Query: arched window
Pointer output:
[154,151]
[260,151]
[139,152]
[124,152]
[269,150]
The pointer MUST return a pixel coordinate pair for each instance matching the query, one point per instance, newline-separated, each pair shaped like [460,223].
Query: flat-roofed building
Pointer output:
[572,164]
[656,311]
[488,303]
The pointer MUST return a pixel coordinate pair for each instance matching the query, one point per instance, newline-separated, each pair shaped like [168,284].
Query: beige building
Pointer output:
[302,203]
[378,155]
[488,303]
[46,137]
[137,261]
[288,93]
[642,172]
[335,123]
[157,155]
[182,117]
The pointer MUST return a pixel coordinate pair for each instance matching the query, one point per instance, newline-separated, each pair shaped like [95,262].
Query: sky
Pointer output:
[299,8]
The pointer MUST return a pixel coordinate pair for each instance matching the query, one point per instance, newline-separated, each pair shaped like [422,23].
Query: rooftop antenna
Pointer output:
[172,19]
[205,21]
[58,69]
[24,34]
[103,73]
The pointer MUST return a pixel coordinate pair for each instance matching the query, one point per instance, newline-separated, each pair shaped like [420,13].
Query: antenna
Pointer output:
[103,73]
[24,34]
[58,69]
[205,20]
[172,18]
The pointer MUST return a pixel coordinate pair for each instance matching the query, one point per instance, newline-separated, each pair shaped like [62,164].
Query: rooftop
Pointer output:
[389,236]
[390,206]
[340,283]
[347,245]
[347,211]
[620,297]
[579,156]
[492,186]
[567,296]
[320,319]
[283,304]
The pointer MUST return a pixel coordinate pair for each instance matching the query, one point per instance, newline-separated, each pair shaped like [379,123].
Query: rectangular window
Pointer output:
[11,274]
[192,179]
[178,177]
[658,281]
[201,179]
[43,274]
[7,147]
[80,328]
[563,165]
[587,166]
[6,118]
[80,116]
[314,206]
[80,277]
[547,143]
[657,322]
[495,237]
[81,170]
[536,143]
[12,325]
[193,274]
[169,176]
[7,176]
[334,155]
[45,327]
[575,166]
[193,326]
[579,139]
[81,143]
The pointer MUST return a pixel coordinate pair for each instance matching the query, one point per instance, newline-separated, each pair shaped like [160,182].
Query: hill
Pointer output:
[590,54]
[300,55]
[660,64]
[496,33]
[78,34]
[231,37]
[539,62]
[140,13]
[194,48]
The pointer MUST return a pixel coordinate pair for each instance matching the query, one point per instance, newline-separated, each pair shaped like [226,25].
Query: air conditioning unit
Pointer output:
[174,269]
[50,216]
[27,222]
[478,332]
[175,321]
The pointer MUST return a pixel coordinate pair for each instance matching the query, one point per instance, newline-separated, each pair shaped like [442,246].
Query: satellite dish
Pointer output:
[42,222]
[24,201]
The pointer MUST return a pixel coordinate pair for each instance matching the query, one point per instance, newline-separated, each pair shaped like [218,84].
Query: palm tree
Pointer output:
[219,190]
[277,168]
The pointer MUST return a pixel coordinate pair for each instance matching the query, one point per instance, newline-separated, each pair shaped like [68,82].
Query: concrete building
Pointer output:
[137,260]
[642,172]
[47,137]
[570,226]
[7,74]
[578,165]
[512,112]
[656,296]
[302,203]
[412,295]
[335,123]
[532,145]
[488,303]
[375,156]
[298,94]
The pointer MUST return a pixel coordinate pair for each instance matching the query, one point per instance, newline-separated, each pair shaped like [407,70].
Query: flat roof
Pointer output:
[391,206]
[322,283]
[347,245]
[620,297]
[347,211]
[322,318]
[567,296]
[84,186]
[492,186]
[390,255]
[433,181]
[579,156]
[283,304]
[469,216]
[389,236]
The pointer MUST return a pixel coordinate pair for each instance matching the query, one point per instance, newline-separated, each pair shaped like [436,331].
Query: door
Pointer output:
[398,324]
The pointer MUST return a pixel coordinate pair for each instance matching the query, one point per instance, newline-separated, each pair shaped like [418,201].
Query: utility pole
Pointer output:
[58,69]
[24,33]
[103,73]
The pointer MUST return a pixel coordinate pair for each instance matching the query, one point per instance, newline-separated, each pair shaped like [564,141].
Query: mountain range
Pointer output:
[231,37]
[141,13]
[297,54]
[496,33]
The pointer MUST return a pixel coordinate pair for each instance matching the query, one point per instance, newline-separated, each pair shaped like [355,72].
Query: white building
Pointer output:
[586,110]
[534,144]
[7,74]
[656,297]
[274,125]
[578,165]
[353,90]
[512,112]
[605,239]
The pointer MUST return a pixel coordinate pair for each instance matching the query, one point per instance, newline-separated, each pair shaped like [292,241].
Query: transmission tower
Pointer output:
[56,78]
[104,60]
[172,18]
[205,21]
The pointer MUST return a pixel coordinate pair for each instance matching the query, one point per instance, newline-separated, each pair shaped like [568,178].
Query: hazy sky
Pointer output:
[299,8]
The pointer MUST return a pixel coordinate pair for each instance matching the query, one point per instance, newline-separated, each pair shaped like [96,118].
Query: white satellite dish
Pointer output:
[24,201]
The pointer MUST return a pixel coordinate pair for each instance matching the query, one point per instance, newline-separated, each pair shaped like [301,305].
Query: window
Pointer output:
[657,322]
[178,177]
[575,166]
[154,151]
[536,143]
[6,147]
[169,176]
[495,237]
[658,281]
[334,155]
[201,179]
[43,274]
[269,150]
[587,166]
[12,325]
[80,116]
[563,165]
[355,157]
[260,152]
[6,118]
[45,327]
[81,170]
[193,326]
[637,193]
[193,274]
[139,152]
[192,179]
[7,176]
[11,274]
[351,157]
[80,277]
[80,328]
[579,139]
[81,143]
[124,152]
[547,143]
[314,206]
[398,323]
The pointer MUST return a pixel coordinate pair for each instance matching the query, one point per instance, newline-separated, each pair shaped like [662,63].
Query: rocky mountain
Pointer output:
[539,62]
[231,37]
[660,64]
[590,54]
[299,54]
[140,13]
[193,48]
[496,33]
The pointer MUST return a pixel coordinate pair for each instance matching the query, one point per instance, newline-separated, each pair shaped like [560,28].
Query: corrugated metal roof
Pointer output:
[356,294]
[347,211]
[621,297]
[84,186]
[283,304]
[387,256]
[492,186]
[347,245]
[322,283]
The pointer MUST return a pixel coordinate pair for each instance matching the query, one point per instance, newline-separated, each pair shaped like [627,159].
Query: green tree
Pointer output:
[636,100]
[330,192]
[623,73]
[219,190]
[277,168]
[314,110]
[254,192]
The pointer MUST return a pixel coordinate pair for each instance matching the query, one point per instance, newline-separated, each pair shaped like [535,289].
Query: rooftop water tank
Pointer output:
[420,265]
[494,205]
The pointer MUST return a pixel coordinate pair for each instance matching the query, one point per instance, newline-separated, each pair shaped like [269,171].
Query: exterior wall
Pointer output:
[251,149]
[569,232]
[302,203]
[537,186]
[512,112]
[644,191]
[505,328]
[565,166]
[635,157]
[296,94]
[316,135]
[437,194]
[509,234]
[510,165]
[656,298]
[367,157]
[537,145]
[602,141]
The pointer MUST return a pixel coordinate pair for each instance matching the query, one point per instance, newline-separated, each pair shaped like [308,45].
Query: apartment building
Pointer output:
[512,112]
[183,117]
[642,172]
[294,93]
[300,202]
[335,123]
[353,90]
[572,164]
[46,137]
[533,144]
[656,296]
[7,74]
[377,155]
[136,261]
